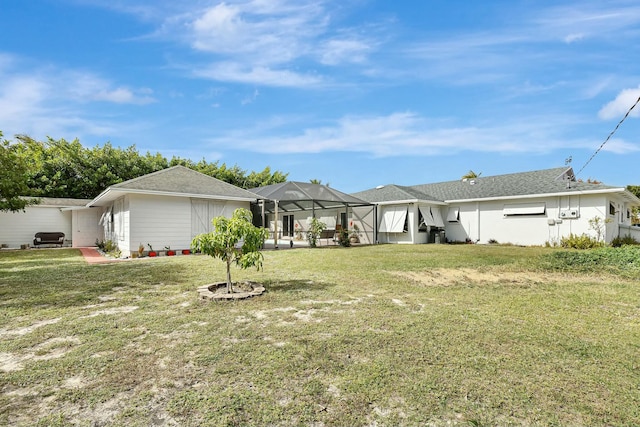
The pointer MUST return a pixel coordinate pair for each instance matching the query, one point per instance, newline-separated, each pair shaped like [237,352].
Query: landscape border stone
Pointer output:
[211,291]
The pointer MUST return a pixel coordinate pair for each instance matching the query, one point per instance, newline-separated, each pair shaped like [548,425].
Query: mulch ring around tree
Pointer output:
[241,290]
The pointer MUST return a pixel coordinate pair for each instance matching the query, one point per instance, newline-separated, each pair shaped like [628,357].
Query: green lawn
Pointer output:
[379,335]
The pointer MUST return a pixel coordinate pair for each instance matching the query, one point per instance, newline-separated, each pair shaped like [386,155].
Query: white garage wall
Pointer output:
[19,228]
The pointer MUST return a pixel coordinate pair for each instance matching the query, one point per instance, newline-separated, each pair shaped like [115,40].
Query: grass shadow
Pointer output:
[296,285]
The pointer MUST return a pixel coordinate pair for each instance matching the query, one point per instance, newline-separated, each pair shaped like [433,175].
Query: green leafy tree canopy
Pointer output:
[59,168]
[13,179]
[233,240]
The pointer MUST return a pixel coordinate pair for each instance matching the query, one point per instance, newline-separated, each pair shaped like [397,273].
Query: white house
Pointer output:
[167,208]
[529,208]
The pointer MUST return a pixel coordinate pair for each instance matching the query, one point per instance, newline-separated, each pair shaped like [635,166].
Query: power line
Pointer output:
[610,135]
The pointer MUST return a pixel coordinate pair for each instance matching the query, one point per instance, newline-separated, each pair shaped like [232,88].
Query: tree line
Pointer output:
[61,168]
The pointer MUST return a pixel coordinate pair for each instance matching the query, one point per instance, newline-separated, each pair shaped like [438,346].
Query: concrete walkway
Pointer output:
[92,256]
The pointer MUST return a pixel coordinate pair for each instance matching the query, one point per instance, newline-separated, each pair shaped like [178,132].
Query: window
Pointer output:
[437,217]
[453,215]
[430,216]
[612,209]
[394,219]
[426,216]
[524,209]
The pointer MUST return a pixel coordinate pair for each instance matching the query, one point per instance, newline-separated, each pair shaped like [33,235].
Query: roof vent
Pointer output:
[472,182]
[379,187]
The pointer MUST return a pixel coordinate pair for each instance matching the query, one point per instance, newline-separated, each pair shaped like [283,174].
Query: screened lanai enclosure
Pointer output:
[286,210]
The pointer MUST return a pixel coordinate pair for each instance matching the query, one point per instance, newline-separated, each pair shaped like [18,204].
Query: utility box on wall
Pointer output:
[569,213]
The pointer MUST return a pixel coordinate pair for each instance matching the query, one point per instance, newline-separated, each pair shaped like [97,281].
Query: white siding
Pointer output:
[19,228]
[160,221]
[166,221]
[483,221]
[204,210]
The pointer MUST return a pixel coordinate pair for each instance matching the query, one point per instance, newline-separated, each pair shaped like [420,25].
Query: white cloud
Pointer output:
[52,101]
[261,32]
[405,133]
[617,108]
[620,146]
[258,75]
[574,38]
[340,51]
[270,42]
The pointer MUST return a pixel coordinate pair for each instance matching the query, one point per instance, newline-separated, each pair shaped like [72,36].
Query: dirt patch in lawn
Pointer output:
[467,276]
[27,329]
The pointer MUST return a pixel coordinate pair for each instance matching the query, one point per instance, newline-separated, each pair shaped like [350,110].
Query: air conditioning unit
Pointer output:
[569,213]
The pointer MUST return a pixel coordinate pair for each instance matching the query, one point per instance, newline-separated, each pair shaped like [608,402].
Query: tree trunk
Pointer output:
[229,285]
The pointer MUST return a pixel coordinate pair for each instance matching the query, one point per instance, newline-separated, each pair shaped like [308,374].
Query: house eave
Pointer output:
[409,201]
[111,194]
[621,191]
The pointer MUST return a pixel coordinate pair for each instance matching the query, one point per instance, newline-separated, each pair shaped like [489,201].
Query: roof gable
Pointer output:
[178,181]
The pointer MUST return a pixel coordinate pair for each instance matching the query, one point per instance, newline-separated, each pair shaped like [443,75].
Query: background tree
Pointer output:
[471,174]
[318,181]
[59,168]
[13,179]
[233,240]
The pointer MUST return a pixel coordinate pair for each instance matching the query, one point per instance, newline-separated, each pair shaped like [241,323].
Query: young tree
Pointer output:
[316,228]
[233,240]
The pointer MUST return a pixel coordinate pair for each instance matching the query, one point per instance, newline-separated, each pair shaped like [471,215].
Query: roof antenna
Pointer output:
[567,162]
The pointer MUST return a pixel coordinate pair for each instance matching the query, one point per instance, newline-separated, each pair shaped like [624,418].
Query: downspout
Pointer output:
[478,217]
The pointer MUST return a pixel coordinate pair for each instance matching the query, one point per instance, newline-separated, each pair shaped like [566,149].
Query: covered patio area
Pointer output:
[286,210]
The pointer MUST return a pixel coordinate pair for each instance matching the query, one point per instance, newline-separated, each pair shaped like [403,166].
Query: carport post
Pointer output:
[275,227]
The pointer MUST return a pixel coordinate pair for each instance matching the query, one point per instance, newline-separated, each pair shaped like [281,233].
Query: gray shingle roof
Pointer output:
[182,180]
[63,202]
[392,192]
[548,181]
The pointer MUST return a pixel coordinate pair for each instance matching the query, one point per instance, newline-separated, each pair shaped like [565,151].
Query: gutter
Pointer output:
[169,194]
[531,196]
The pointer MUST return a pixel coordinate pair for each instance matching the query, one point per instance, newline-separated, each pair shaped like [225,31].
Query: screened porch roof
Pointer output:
[294,196]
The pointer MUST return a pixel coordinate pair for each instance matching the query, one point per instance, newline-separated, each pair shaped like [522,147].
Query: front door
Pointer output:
[85,227]
[287,225]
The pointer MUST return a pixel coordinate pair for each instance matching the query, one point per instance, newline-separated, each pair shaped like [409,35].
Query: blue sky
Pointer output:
[354,93]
